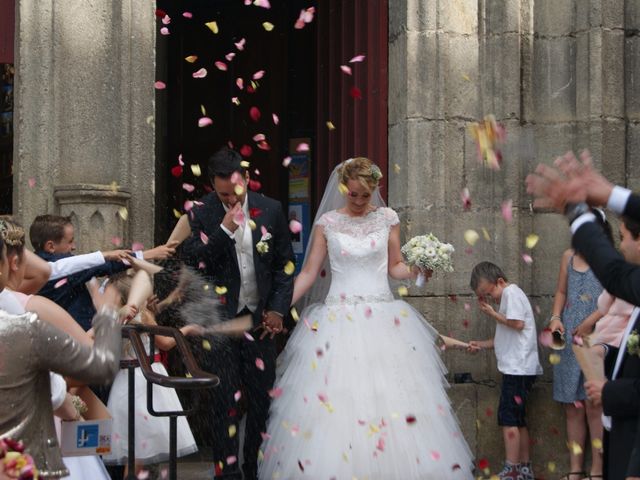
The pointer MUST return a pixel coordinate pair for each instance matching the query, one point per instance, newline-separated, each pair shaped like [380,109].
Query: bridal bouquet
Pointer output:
[428,253]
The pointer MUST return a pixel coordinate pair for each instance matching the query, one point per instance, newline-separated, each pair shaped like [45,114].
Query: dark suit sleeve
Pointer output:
[632,208]
[618,277]
[633,470]
[195,250]
[621,397]
[279,299]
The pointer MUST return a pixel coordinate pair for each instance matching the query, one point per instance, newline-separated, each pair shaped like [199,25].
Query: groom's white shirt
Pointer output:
[249,296]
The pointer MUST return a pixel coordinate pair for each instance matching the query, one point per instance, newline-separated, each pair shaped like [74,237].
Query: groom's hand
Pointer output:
[227,221]
[272,324]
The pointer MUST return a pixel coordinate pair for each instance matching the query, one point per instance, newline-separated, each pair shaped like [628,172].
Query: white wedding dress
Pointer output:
[360,389]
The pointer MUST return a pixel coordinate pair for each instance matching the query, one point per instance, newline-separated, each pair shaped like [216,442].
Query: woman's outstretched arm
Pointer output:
[312,268]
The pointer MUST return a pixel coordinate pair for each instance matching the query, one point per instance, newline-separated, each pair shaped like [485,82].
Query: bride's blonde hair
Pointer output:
[361,169]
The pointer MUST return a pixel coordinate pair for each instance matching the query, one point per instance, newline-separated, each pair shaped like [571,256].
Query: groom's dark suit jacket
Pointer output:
[620,397]
[219,254]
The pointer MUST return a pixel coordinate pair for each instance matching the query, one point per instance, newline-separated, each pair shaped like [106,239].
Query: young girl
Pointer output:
[575,313]
[152,433]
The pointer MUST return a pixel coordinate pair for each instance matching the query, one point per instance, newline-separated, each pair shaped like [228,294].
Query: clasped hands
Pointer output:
[271,324]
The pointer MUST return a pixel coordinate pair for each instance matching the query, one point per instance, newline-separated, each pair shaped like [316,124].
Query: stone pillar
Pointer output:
[84,116]
[559,74]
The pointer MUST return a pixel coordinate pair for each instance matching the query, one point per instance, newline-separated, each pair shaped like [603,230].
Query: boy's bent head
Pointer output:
[52,234]
[488,280]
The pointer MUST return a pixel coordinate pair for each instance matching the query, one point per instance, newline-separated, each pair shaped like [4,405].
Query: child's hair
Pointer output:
[13,235]
[45,228]
[486,271]
[631,225]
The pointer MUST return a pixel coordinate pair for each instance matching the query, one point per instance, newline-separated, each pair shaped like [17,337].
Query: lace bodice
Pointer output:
[358,255]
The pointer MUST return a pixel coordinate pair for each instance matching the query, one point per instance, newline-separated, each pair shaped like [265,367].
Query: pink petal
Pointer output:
[286,161]
[518,399]
[202,266]
[188,187]
[160,85]
[323,397]
[221,66]
[240,44]
[259,137]
[137,246]
[435,455]
[239,218]
[302,147]
[527,258]
[231,460]
[307,16]
[346,69]
[236,178]
[117,241]
[367,312]
[200,73]
[260,364]
[295,226]
[275,118]
[258,75]
[265,436]
[239,83]
[299,24]
[204,122]
[166,20]
[203,238]
[187,14]
[237,395]
[229,56]
[275,392]
[357,58]
[60,282]
[164,31]
[262,3]
[263,230]
[254,113]
[507,214]
[249,337]
[188,205]
[32,182]
[466,199]
[180,162]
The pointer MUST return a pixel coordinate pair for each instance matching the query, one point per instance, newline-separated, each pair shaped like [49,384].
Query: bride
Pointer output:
[360,391]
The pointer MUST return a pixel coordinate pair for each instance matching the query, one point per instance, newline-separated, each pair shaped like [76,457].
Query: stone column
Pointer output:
[84,116]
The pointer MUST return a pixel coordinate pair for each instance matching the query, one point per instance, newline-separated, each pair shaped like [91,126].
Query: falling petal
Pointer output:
[258,75]
[60,282]
[275,119]
[117,241]
[180,162]
[204,122]
[294,314]
[31,182]
[239,83]
[176,171]
[231,460]
[235,100]
[295,226]
[262,3]
[346,69]
[254,185]
[357,58]
[330,125]
[166,20]
[302,147]
[275,392]
[554,359]
[221,66]
[160,85]
[507,213]
[200,73]
[188,187]
[254,113]
[396,168]
[435,455]
[471,237]
[213,26]
[546,337]
[230,56]
[260,364]
[232,430]
[356,93]
[240,45]
[466,199]
[206,345]
[286,161]
[195,169]
[249,337]
[268,26]
[164,31]
[187,14]
[237,395]
[124,213]
[526,258]
[403,291]
[532,240]
[203,238]
[517,399]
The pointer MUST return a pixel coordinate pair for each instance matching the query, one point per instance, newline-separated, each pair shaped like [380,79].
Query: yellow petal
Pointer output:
[221,290]
[191,58]
[206,345]
[294,314]
[314,365]
[331,126]
[203,110]
[176,213]
[238,189]
[268,26]
[532,240]
[244,164]
[188,375]
[554,359]
[575,448]
[597,443]
[471,237]
[252,225]
[113,187]
[551,466]
[486,235]
[124,214]
[396,168]
[403,291]
[195,169]
[232,431]
[213,26]
[289,268]
[342,188]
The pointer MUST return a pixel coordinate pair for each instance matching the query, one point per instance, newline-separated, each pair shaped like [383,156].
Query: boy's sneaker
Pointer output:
[526,471]
[510,471]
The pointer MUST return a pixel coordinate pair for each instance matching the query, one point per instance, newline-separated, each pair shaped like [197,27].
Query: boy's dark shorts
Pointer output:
[513,400]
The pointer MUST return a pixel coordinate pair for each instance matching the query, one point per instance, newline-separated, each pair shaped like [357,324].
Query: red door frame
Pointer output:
[347,28]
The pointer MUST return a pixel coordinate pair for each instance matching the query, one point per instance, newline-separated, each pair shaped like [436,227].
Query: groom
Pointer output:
[242,240]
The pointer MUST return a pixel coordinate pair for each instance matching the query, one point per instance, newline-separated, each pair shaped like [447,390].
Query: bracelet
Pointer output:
[79,405]
[555,316]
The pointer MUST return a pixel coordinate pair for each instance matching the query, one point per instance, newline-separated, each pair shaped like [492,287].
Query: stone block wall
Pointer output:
[560,75]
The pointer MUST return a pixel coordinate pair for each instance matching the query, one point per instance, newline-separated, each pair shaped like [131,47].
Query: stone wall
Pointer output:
[560,75]
[84,131]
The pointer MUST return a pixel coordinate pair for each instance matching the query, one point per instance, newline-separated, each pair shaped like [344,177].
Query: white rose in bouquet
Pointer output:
[428,253]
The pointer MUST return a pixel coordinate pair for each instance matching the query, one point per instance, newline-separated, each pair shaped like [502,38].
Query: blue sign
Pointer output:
[87,436]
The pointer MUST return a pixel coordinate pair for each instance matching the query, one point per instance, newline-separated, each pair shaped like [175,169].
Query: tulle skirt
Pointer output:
[360,393]
[152,433]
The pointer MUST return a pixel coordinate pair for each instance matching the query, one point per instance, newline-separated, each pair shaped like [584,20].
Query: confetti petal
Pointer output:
[213,26]
[230,56]
[232,430]
[357,58]
[403,291]
[268,26]
[240,45]
[295,226]
[275,118]
[204,122]
[60,282]
[206,345]
[286,161]
[32,182]
[160,85]
[275,392]
[232,459]
[258,75]
[221,66]
[254,113]
[526,258]
[465,196]
[200,73]
[187,14]
[356,93]
[330,125]
[302,147]
[237,395]
[164,31]
[532,240]
[345,69]
[188,187]
[195,169]
[289,268]
[471,237]
[260,364]
[262,3]
[124,213]
[554,359]
[507,213]
[203,238]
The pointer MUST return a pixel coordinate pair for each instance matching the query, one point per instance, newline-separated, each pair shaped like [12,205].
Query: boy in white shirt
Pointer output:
[516,348]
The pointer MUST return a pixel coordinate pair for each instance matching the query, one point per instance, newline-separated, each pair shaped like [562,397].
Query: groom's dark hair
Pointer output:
[224,162]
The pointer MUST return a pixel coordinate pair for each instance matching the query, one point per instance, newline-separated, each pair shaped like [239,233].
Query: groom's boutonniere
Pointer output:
[262,246]
[633,343]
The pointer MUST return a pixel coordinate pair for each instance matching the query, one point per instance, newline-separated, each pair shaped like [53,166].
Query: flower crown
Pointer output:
[374,170]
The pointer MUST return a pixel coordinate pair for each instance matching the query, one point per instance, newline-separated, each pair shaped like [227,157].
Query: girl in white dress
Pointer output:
[152,433]
[360,391]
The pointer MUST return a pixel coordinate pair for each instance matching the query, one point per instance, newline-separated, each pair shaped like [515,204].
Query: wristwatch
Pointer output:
[574,210]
